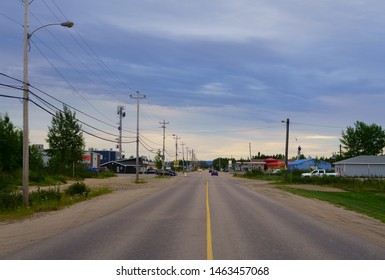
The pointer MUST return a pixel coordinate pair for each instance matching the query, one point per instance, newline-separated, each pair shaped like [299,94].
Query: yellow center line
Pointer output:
[208,226]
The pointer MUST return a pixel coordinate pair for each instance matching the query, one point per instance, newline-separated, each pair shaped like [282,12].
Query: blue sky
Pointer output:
[224,74]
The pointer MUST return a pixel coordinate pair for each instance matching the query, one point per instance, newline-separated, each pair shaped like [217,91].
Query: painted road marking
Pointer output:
[208,226]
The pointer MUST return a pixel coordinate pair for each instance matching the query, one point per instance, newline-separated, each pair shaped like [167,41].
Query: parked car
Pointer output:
[214,173]
[319,173]
[172,173]
[150,171]
[162,172]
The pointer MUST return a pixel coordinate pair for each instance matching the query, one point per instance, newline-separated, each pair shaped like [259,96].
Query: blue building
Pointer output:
[309,163]
[107,156]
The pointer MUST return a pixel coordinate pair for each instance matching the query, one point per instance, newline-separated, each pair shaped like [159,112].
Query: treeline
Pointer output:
[66,144]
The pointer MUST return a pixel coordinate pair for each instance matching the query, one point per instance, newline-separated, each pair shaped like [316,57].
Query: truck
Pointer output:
[319,173]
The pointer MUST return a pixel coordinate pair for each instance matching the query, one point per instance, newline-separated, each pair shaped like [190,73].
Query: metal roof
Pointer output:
[363,160]
[300,161]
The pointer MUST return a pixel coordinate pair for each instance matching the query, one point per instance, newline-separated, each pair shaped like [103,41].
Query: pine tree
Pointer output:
[66,142]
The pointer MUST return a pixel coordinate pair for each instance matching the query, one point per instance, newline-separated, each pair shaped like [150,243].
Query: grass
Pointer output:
[367,202]
[48,200]
[362,195]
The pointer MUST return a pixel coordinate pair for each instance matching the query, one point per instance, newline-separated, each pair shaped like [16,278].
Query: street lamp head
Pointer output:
[67,24]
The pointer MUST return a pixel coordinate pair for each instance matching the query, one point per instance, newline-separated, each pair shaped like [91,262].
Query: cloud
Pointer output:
[223,73]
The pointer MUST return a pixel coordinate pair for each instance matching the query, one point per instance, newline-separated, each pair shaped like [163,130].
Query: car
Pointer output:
[320,173]
[162,172]
[150,171]
[214,173]
[172,173]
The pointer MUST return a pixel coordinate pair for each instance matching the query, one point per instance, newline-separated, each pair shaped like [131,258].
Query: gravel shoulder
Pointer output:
[18,234]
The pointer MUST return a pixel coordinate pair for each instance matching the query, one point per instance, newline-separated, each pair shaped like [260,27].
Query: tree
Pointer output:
[65,139]
[158,160]
[11,145]
[222,163]
[363,139]
[35,159]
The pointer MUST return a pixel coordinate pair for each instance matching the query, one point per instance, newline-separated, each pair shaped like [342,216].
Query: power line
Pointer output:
[53,107]
[66,80]
[11,19]
[89,133]
[317,125]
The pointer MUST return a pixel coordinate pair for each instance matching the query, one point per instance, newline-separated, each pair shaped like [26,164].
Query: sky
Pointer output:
[223,75]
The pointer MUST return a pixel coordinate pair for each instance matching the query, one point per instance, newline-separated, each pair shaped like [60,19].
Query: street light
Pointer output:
[27,36]
[67,24]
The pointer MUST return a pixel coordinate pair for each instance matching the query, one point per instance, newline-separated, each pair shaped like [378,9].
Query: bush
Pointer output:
[36,176]
[10,201]
[44,195]
[78,188]
[6,182]
[253,173]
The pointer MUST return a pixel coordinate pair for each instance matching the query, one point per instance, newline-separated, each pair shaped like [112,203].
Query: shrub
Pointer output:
[10,201]
[78,188]
[40,195]
[6,182]
[36,176]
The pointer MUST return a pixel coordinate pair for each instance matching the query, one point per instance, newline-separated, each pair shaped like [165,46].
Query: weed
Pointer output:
[10,201]
[77,189]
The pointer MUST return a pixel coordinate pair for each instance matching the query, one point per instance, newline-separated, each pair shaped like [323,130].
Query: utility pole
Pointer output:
[27,36]
[176,151]
[138,97]
[182,144]
[192,159]
[287,148]
[250,151]
[25,187]
[187,163]
[121,115]
[164,139]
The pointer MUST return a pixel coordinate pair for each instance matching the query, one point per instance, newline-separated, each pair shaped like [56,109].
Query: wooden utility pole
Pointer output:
[164,139]
[287,149]
[138,98]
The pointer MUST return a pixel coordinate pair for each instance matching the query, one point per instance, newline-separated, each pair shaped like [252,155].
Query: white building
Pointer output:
[362,166]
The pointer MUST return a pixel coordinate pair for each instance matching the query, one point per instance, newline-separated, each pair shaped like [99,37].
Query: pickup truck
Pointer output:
[319,173]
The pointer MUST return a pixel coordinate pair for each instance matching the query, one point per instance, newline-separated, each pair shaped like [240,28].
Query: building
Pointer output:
[92,160]
[362,166]
[248,166]
[273,163]
[127,166]
[309,163]
[107,155]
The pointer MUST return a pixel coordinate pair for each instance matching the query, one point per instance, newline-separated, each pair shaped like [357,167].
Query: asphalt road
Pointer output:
[203,217]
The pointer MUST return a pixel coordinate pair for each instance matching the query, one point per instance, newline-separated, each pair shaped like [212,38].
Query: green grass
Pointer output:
[367,202]
[48,200]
